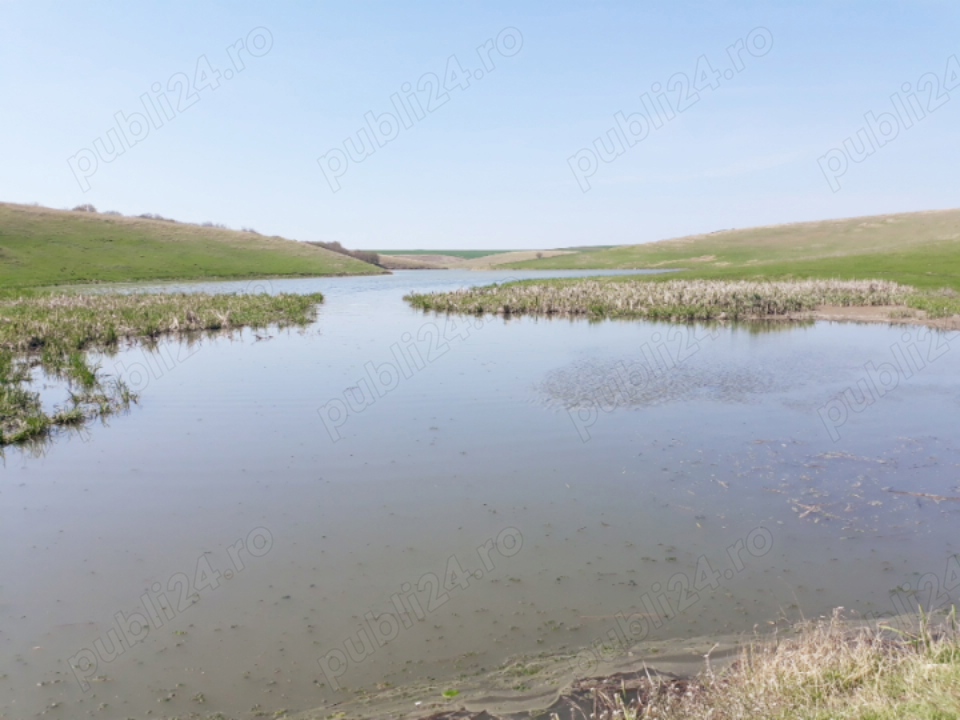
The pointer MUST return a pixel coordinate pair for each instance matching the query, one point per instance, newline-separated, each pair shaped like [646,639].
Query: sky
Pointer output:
[493,125]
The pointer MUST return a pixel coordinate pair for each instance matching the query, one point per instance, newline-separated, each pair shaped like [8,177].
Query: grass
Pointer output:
[917,249]
[678,300]
[49,334]
[826,670]
[44,247]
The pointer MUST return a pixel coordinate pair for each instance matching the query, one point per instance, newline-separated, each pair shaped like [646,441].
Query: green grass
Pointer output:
[464,254]
[917,249]
[44,247]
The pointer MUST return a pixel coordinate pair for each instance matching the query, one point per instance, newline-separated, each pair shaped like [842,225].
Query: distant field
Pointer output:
[464,254]
[482,260]
[588,248]
[918,249]
[44,247]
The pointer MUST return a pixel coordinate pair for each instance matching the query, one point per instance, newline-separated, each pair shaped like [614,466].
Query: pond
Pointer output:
[385,505]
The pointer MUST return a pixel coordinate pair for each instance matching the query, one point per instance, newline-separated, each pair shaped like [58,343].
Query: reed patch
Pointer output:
[676,300]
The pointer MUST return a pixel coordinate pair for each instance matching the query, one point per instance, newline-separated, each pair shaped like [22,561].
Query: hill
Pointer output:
[919,249]
[44,247]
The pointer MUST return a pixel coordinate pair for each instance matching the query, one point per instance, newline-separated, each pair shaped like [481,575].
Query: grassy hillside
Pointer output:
[919,249]
[41,247]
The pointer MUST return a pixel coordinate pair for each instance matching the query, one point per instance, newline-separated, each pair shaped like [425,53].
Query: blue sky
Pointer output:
[491,166]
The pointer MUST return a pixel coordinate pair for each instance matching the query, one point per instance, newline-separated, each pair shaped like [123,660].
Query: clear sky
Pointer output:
[503,160]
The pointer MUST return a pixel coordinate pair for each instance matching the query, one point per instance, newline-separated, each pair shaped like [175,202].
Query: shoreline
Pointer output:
[696,676]
[888,314]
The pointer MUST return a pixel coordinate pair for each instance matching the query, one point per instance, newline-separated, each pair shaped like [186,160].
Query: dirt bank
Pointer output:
[890,314]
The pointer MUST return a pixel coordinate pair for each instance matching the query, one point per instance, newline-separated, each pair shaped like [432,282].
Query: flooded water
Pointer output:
[392,505]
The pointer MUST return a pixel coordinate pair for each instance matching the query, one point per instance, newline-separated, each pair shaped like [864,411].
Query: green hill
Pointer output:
[44,247]
[919,249]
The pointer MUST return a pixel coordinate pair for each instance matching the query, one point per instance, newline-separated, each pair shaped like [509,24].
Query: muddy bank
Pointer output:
[828,666]
[595,697]
[889,314]
[570,686]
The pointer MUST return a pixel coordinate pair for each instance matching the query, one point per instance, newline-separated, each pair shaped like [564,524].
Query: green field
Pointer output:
[44,247]
[464,254]
[918,249]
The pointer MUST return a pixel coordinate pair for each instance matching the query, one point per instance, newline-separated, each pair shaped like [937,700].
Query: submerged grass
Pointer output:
[828,669]
[51,333]
[683,300]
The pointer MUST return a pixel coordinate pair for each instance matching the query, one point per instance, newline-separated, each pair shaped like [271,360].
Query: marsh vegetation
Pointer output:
[49,336]
[682,300]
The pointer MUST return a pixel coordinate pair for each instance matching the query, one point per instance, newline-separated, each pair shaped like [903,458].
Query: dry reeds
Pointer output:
[669,300]
[827,669]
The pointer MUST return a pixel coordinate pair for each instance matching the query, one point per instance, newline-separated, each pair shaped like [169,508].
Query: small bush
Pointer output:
[154,216]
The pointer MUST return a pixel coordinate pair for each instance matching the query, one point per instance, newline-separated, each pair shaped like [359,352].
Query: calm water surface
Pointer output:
[391,499]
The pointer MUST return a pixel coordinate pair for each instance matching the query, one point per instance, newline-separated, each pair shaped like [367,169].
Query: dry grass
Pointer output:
[826,670]
[671,300]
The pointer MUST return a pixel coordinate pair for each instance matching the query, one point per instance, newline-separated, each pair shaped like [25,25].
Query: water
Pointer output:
[490,503]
